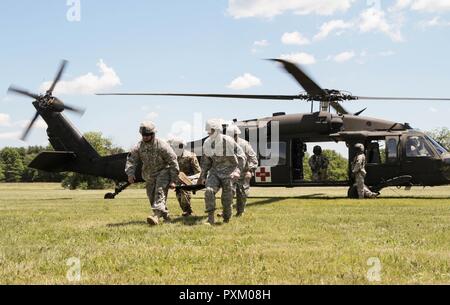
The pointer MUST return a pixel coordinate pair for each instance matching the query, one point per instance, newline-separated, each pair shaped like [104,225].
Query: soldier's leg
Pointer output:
[315,176]
[227,198]
[242,191]
[184,199]
[359,180]
[150,188]
[368,193]
[323,175]
[212,187]
[160,196]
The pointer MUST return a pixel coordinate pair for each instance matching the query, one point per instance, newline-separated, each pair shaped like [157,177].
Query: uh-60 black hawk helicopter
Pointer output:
[397,155]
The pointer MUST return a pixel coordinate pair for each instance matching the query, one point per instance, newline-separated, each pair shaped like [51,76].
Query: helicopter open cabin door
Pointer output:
[383,159]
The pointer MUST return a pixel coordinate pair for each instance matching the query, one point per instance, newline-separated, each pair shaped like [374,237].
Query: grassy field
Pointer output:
[288,236]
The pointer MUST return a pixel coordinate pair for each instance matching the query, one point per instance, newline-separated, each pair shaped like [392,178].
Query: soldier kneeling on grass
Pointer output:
[159,170]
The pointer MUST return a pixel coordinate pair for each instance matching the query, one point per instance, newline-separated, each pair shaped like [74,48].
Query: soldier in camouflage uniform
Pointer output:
[159,170]
[189,165]
[359,172]
[221,164]
[319,165]
[242,186]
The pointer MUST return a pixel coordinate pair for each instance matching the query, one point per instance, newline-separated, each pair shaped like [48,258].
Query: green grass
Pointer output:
[288,236]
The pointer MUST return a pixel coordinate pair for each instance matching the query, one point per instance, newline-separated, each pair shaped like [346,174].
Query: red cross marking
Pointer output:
[263,174]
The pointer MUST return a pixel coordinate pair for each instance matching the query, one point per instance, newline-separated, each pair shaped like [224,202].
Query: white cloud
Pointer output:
[271,8]
[299,58]
[5,119]
[430,6]
[374,20]
[40,123]
[386,53]
[343,57]
[151,115]
[294,38]
[433,6]
[334,25]
[88,83]
[435,22]
[261,43]
[10,135]
[244,82]
[180,130]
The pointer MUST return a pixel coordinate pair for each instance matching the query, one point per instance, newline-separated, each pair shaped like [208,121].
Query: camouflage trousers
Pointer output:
[241,190]
[157,189]
[320,175]
[363,190]
[184,199]
[213,185]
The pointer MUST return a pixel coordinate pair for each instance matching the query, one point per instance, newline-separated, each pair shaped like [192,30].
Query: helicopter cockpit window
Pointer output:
[416,146]
[440,149]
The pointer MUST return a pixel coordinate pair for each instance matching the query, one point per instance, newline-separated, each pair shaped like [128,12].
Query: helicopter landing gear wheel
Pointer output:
[352,192]
[120,187]
[109,196]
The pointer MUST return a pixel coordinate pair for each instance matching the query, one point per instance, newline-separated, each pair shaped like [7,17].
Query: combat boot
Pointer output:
[166,217]
[210,220]
[152,220]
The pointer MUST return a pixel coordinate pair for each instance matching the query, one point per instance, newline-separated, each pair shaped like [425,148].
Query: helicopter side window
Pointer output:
[391,149]
[416,146]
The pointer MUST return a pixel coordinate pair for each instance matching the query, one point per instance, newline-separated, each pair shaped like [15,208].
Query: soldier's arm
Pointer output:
[132,161]
[311,164]
[357,165]
[252,159]
[240,155]
[195,165]
[170,157]
[206,163]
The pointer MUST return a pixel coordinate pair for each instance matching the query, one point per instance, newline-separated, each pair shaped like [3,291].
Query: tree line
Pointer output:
[14,163]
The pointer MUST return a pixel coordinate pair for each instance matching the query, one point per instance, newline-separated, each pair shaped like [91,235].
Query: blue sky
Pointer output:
[386,48]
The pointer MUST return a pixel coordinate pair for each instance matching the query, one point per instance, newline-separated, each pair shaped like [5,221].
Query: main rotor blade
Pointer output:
[402,98]
[77,110]
[20,91]
[338,107]
[62,67]
[243,96]
[301,77]
[27,130]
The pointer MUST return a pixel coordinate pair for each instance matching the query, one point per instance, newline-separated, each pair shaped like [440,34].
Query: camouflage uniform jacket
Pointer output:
[359,164]
[156,156]
[318,162]
[188,163]
[250,155]
[222,156]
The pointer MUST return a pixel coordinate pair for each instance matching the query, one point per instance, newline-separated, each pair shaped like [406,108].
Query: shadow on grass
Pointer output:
[189,220]
[128,223]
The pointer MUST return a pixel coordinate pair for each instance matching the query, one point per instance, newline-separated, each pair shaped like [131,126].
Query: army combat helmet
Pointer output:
[147,128]
[233,130]
[213,124]
[317,150]
[359,147]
